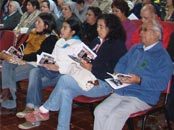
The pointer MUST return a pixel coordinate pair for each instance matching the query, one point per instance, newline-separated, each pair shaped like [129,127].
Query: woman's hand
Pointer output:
[132,79]
[52,67]
[11,58]
[86,65]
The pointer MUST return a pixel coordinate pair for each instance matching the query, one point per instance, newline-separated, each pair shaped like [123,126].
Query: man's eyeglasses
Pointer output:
[145,29]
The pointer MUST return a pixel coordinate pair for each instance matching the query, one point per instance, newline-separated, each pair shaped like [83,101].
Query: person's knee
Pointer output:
[66,78]
[98,111]
[35,72]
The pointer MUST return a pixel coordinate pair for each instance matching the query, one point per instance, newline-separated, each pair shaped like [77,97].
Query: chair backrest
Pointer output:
[167,90]
[21,39]
[7,39]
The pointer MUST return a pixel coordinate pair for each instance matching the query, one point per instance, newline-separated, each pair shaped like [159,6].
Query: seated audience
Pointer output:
[41,39]
[120,8]
[89,27]
[109,47]
[150,68]
[11,20]
[29,17]
[48,74]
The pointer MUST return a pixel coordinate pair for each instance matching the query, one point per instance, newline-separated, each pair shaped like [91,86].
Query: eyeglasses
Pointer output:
[144,29]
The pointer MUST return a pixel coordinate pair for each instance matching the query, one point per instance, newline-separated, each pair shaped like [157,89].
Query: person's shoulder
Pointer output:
[136,47]
[53,37]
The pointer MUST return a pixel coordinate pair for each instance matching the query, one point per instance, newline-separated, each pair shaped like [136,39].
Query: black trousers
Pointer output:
[170,103]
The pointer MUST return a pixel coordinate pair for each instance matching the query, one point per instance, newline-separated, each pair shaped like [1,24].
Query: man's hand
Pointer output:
[52,67]
[133,79]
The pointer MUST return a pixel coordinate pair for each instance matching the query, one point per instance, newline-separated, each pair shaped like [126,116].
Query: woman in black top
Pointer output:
[89,27]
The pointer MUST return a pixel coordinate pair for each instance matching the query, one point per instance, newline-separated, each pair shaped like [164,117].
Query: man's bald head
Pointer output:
[148,13]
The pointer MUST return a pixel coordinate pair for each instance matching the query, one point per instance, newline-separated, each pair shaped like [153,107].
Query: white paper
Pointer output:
[114,82]
[45,58]
[85,53]
[132,16]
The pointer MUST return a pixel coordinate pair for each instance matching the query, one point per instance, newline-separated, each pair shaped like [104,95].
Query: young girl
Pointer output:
[48,74]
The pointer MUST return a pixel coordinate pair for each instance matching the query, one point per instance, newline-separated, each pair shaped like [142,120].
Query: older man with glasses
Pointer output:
[150,69]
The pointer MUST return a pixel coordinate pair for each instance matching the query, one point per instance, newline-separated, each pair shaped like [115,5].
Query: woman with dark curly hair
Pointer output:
[109,47]
[89,27]
[120,8]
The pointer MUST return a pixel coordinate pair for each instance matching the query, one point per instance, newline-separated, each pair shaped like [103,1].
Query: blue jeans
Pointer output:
[62,96]
[39,78]
[11,73]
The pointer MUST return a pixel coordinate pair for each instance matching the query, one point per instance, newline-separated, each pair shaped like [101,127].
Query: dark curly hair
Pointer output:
[48,20]
[116,30]
[34,3]
[96,10]
[122,5]
[74,25]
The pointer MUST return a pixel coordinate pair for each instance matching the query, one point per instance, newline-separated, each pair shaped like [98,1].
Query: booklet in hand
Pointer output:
[14,52]
[114,82]
[45,58]
[84,54]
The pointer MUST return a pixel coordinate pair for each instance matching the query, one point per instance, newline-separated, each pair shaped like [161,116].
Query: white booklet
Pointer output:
[15,52]
[85,53]
[45,58]
[114,82]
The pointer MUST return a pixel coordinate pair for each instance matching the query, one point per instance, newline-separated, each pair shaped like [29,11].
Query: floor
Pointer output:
[82,118]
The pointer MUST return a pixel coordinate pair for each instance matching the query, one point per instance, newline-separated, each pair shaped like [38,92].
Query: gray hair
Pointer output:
[17,5]
[156,26]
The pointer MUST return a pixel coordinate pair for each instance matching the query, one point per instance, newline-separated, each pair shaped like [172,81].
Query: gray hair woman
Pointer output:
[11,20]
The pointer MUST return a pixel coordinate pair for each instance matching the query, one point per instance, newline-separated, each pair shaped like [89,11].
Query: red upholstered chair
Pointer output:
[89,100]
[161,106]
[21,39]
[7,39]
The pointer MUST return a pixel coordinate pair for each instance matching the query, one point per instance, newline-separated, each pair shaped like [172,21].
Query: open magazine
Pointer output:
[114,82]
[85,53]
[45,58]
